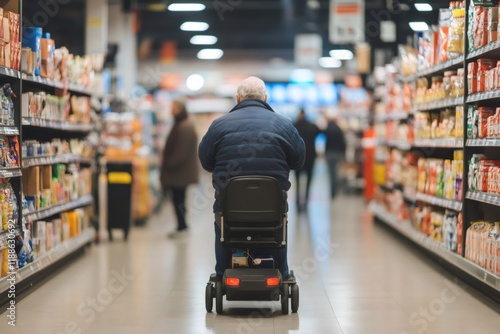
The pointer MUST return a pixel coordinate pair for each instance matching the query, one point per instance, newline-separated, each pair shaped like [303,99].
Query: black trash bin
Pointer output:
[119,176]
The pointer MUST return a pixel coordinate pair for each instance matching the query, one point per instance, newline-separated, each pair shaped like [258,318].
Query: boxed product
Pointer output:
[436,226]
[484,65]
[422,175]
[39,237]
[492,26]
[49,237]
[483,114]
[32,39]
[472,77]
[472,122]
[450,232]
[444,30]
[459,122]
[47,54]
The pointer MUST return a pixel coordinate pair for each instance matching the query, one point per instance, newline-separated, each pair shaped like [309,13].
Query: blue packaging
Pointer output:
[32,38]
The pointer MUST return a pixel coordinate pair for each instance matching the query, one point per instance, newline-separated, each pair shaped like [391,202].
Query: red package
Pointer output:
[443,44]
[483,114]
[483,65]
[472,77]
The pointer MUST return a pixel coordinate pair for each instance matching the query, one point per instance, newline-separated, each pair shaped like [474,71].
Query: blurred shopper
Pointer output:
[308,131]
[179,166]
[335,148]
[251,140]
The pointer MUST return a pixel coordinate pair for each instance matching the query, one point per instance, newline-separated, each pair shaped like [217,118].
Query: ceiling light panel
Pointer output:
[203,40]
[210,54]
[423,7]
[186,7]
[194,26]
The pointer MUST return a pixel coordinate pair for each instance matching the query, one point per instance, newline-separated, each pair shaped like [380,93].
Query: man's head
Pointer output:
[251,88]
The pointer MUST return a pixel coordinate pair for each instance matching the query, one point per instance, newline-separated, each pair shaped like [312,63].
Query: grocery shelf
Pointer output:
[4,235]
[400,144]
[9,130]
[483,197]
[9,72]
[55,124]
[483,142]
[410,194]
[438,249]
[55,84]
[438,201]
[58,208]
[10,172]
[448,142]
[447,65]
[51,257]
[393,117]
[489,95]
[452,102]
[492,48]
[50,160]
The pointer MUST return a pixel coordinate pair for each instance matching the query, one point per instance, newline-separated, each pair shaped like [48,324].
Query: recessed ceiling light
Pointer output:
[329,62]
[203,40]
[423,7]
[210,54]
[195,82]
[194,26]
[342,54]
[419,26]
[186,7]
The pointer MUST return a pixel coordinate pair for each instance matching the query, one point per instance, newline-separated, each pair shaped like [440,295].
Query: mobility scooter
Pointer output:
[253,221]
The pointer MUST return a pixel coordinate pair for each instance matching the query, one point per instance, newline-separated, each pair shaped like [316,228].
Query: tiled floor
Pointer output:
[354,277]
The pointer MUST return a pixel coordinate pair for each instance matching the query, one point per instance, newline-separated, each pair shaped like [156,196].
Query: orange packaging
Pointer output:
[472,77]
[484,113]
[443,43]
[483,65]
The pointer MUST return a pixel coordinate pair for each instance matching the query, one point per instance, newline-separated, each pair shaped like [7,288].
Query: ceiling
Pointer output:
[267,28]
[247,28]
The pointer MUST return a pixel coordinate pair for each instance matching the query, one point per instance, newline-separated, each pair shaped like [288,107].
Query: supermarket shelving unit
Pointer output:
[474,205]
[33,128]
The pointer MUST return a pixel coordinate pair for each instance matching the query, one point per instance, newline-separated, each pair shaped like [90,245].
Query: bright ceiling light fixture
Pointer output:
[203,40]
[329,62]
[423,7]
[342,54]
[210,54]
[195,82]
[186,7]
[194,26]
[419,26]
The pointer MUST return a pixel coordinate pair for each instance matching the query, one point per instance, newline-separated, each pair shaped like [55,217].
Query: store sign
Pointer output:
[308,49]
[347,21]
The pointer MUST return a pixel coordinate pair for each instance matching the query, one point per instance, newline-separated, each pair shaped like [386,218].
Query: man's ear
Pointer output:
[265,98]
[238,98]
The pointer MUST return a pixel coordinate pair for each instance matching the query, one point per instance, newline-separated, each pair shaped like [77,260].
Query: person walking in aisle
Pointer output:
[335,148]
[179,166]
[251,140]
[308,131]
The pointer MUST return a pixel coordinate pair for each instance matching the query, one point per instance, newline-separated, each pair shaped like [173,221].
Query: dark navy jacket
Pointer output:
[251,140]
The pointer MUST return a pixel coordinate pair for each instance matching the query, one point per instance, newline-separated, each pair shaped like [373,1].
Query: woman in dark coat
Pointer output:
[179,166]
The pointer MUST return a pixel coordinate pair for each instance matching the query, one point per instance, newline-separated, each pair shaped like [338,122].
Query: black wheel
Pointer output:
[284,299]
[295,298]
[218,297]
[209,297]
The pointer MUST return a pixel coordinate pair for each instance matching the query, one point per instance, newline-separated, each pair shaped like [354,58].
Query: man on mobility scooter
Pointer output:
[250,153]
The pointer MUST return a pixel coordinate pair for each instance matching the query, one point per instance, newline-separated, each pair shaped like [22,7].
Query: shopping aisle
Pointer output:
[355,277]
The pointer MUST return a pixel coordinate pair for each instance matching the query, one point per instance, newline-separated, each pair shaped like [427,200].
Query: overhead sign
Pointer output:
[308,49]
[347,21]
